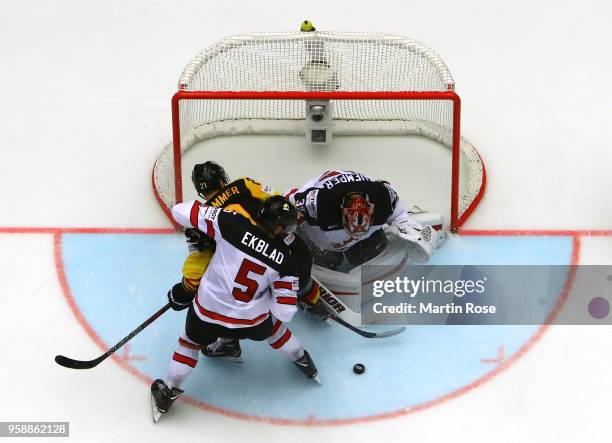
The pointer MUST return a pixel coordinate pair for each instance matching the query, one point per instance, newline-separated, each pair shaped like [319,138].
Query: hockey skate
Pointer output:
[224,350]
[307,367]
[162,398]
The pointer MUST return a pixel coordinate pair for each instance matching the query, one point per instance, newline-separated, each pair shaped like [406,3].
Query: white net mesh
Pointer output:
[317,61]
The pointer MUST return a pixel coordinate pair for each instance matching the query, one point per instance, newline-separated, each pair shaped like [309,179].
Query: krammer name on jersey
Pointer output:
[261,246]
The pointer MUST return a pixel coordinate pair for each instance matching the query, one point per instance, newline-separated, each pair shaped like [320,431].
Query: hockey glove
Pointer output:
[180,297]
[422,241]
[197,241]
[310,301]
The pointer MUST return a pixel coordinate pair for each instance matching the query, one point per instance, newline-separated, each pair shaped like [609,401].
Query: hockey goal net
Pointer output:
[379,85]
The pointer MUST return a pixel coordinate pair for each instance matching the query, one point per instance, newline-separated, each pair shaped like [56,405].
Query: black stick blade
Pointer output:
[390,333]
[367,334]
[76,364]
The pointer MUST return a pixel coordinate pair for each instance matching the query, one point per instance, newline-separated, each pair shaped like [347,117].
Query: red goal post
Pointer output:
[200,112]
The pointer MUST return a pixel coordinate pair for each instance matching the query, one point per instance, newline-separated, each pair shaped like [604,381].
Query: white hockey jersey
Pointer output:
[319,201]
[250,275]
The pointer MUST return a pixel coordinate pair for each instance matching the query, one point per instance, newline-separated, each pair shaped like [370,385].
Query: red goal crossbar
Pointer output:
[457,219]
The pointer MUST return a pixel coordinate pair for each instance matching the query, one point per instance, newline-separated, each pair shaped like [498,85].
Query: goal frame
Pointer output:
[456,220]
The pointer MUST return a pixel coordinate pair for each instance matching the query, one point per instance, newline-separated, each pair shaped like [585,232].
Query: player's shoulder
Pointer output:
[296,252]
[297,245]
[275,252]
[244,180]
[383,189]
[285,242]
[337,176]
[289,239]
[228,219]
[306,201]
[255,187]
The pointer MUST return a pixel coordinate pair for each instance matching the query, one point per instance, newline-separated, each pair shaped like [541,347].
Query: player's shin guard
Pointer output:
[282,339]
[184,359]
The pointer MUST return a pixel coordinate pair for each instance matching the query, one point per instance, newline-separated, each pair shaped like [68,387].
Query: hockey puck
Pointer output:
[358,368]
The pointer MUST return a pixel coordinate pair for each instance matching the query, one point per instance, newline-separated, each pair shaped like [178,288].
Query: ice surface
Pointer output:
[85,93]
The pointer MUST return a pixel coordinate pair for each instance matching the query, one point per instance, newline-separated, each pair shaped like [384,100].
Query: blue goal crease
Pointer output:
[118,280]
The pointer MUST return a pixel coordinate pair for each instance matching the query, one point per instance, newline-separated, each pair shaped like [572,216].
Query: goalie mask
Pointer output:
[208,177]
[357,213]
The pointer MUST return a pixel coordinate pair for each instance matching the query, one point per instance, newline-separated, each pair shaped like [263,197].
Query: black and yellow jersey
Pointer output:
[243,196]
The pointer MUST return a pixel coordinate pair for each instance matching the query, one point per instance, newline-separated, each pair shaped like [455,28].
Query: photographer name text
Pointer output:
[404,286]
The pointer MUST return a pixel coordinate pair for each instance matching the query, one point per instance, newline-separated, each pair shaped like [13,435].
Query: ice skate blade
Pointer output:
[229,359]
[155,412]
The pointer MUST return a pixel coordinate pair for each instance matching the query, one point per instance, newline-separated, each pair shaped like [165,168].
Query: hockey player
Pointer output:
[252,278]
[342,214]
[212,184]
[245,196]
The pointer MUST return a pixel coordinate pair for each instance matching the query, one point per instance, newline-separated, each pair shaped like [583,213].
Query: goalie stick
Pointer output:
[88,364]
[337,309]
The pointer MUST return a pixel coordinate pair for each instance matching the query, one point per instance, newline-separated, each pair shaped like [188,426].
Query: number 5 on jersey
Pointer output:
[243,279]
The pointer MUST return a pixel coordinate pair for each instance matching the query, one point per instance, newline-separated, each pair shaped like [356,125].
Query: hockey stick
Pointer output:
[335,307]
[366,334]
[88,364]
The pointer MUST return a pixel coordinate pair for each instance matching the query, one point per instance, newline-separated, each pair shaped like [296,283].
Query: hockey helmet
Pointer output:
[275,211]
[208,177]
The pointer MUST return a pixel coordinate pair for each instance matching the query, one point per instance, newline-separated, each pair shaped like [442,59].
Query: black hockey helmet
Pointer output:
[207,177]
[277,210]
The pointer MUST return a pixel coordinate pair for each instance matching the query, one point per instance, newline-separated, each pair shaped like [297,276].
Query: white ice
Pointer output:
[85,90]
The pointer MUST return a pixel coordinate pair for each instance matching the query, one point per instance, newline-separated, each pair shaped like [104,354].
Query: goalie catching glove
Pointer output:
[180,297]
[422,241]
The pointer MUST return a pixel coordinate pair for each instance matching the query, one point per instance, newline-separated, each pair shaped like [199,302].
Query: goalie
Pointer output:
[343,213]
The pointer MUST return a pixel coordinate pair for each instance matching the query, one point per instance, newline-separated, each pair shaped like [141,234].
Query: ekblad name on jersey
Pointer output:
[320,199]
[250,275]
